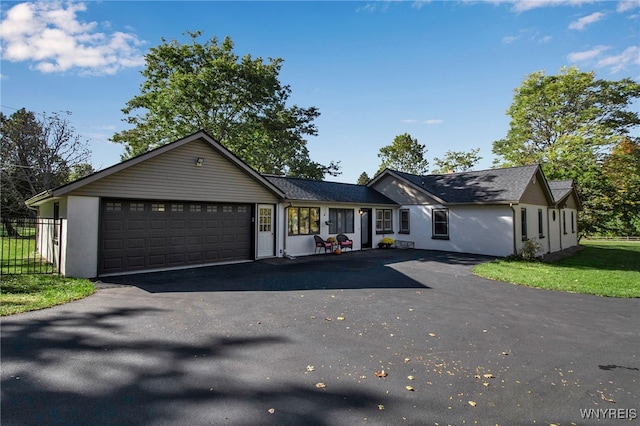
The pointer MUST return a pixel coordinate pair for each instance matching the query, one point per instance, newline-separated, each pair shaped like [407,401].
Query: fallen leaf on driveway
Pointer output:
[327,319]
[340,318]
[271,410]
[380,407]
[411,378]
[381,374]
[320,385]
[310,368]
[488,376]
[472,403]
[409,388]
[432,334]
[604,398]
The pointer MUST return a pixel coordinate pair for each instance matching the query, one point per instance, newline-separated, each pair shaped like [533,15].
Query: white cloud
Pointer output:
[625,5]
[587,54]
[630,56]
[581,23]
[530,34]
[429,121]
[525,5]
[50,35]
[419,4]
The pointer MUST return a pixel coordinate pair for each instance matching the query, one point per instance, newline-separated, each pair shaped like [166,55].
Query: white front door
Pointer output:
[266,236]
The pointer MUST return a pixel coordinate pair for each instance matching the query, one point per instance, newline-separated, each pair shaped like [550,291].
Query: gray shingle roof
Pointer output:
[560,188]
[315,190]
[484,186]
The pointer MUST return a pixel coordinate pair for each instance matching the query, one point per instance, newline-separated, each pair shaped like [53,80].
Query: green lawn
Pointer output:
[602,268]
[23,293]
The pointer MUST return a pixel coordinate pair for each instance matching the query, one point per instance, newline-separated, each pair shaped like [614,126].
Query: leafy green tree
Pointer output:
[36,153]
[621,170]
[457,161]
[363,179]
[567,123]
[405,154]
[238,101]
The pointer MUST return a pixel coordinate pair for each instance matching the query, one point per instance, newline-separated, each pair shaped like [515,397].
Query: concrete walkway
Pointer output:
[298,342]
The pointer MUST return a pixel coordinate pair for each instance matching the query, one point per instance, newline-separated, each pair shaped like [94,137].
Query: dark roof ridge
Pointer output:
[268,175]
[469,171]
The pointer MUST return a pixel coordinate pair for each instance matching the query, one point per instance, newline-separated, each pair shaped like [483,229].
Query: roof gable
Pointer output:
[154,158]
[564,192]
[316,190]
[492,186]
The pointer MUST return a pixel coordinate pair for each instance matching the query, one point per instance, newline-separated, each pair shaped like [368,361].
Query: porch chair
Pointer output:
[320,243]
[344,241]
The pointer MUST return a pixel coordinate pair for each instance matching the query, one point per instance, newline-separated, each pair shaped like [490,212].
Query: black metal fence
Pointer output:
[30,246]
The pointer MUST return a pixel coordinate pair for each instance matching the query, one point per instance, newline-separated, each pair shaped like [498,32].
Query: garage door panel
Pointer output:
[157,261]
[135,243]
[114,225]
[158,224]
[178,224]
[113,244]
[176,241]
[196,224]
[194,257]
[113,264]
[177,259]
[141,235]
[155,242]
[136,224]
[135,262]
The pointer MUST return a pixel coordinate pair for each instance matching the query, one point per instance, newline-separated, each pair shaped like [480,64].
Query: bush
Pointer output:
[530,249]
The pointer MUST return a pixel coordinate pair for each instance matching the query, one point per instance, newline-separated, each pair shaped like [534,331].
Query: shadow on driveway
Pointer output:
[352,270]
[88,369]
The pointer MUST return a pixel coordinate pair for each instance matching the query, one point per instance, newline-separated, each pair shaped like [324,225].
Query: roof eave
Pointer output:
[397,176]
[38,199]
[483,203]
[356,203]
[202,135]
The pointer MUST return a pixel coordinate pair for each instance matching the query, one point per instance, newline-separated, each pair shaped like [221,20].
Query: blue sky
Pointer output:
[442,71]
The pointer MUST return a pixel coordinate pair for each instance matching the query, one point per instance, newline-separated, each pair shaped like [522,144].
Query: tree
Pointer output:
[567,123]
[621,170]
[240,102]
[457,161]
[363,179]
[37,154]
[405,154]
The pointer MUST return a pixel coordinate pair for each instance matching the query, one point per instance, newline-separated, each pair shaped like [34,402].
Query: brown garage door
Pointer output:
[141,235]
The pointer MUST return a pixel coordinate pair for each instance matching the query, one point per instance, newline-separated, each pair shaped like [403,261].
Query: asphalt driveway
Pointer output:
[288,342]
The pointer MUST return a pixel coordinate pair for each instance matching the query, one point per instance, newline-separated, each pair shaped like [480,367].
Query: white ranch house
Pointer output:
[193,203]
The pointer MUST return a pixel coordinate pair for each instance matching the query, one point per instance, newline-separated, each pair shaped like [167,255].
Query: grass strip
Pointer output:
[23,293]
[609,269]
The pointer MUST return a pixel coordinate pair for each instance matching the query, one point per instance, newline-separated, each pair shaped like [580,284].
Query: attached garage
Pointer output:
[145,235]
[187,203]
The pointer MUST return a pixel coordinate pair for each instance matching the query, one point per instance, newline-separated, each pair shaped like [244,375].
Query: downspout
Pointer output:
[513,221]
[548,232]
[560,229]
[284,227]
